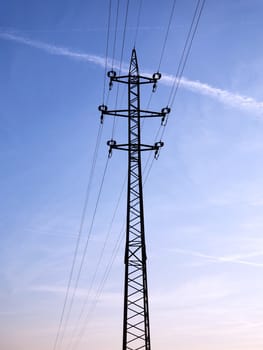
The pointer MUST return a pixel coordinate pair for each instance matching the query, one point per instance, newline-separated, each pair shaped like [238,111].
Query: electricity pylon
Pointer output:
[136,329]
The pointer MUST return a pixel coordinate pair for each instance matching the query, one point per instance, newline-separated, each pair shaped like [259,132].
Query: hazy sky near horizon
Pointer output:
[203,197]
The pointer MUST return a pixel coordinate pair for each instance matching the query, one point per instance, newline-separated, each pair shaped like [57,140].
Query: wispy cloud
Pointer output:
[226,97]
[54,50]
[208,288]
[235,258]
[80,293]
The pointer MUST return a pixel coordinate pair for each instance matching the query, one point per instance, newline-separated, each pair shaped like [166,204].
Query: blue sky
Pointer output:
[203,198]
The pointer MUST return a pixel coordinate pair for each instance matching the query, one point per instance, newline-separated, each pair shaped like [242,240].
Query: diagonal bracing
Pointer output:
[136,329]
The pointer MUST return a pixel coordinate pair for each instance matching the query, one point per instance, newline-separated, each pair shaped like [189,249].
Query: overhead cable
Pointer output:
[166,34]
[121,61]
[115,33]
[180,69]
[100,288]
[163,46]
[186,50]
[106,274]
[85,251]
[138,22]
[87,298]
[82,220]
[107,51]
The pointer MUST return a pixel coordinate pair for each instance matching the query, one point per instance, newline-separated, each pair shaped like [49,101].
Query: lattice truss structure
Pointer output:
[136,329]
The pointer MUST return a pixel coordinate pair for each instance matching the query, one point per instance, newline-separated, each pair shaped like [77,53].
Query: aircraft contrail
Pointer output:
[235,259]
[226,97]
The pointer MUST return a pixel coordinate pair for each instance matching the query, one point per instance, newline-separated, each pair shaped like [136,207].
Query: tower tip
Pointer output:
[134,62]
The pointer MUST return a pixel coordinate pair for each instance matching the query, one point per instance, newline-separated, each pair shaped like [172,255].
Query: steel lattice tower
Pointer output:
[136,329]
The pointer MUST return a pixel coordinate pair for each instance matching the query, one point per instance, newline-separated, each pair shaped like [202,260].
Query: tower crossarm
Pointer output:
[125,79]
[126,113]
[126,147]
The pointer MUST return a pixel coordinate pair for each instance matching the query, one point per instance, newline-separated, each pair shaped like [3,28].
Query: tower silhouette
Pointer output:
[136,328]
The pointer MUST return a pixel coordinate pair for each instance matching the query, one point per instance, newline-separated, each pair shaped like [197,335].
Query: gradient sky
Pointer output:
[203,198]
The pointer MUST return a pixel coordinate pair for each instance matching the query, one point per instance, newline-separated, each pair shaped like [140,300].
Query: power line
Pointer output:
[179,72]
[90,180]
[107,51]
[186,50]
[184,57]
[181,66]
[166,34]
[101,286]
[138,22]
[163,49]
[124,34]
[106,274]
[183,60]
[121,61]
[82,220]
[85,249]
[115,33]
[99,260]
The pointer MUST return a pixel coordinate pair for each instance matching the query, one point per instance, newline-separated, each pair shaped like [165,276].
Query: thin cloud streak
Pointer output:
[54,50]
[236,259]
[226,97]
[244,103]
[81,293]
